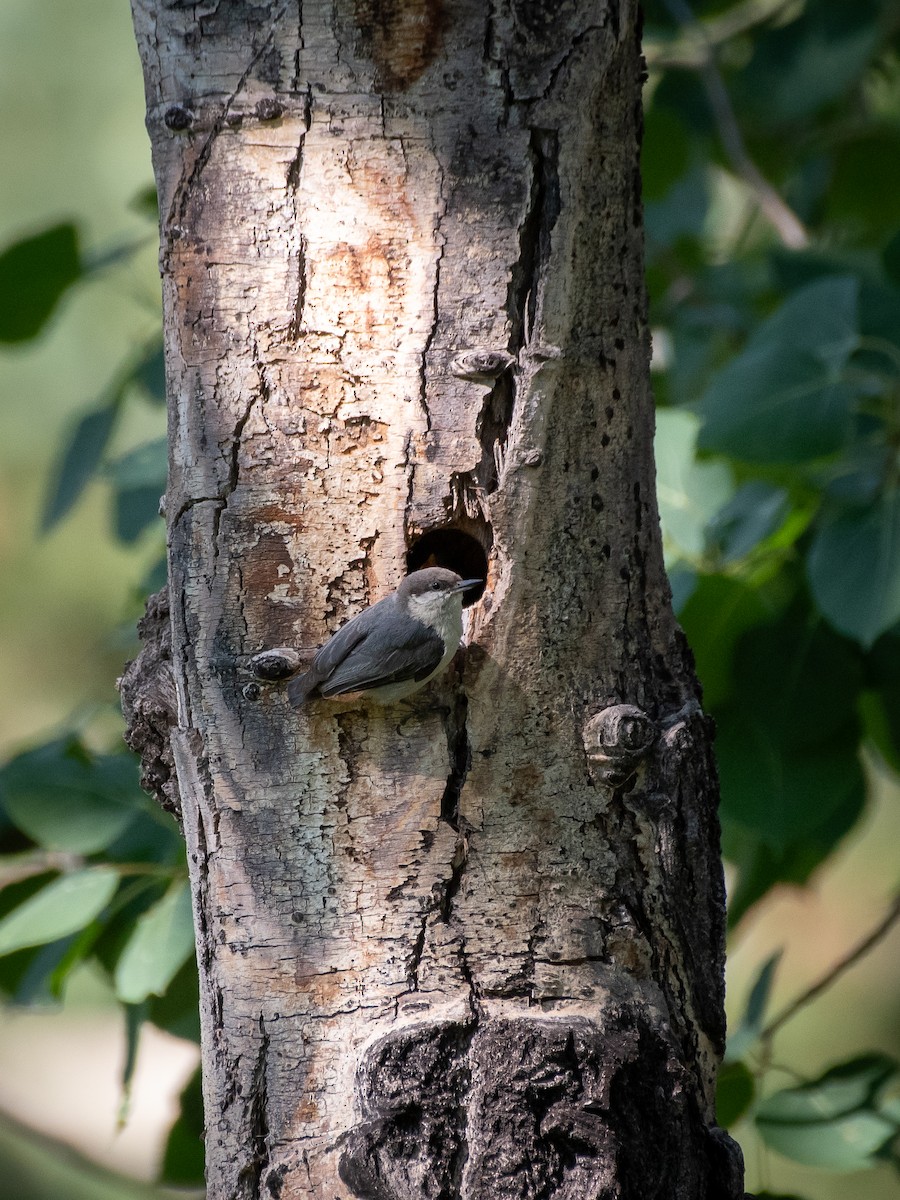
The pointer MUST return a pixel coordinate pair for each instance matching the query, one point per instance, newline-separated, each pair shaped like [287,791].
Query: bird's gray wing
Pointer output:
[371,664]
[344,642]
[331,655]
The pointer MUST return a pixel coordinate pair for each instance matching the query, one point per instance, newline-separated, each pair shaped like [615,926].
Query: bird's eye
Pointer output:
[435,587]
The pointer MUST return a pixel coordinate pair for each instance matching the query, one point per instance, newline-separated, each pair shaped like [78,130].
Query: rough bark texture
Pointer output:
[468,946]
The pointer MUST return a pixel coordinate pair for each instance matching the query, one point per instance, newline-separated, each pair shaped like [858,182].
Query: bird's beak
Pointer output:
[465,584]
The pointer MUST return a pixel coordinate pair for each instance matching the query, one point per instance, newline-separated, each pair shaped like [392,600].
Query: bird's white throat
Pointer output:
[440,612]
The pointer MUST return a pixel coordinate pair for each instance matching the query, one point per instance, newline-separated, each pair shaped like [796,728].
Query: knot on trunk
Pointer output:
[481,366]
[279,663]
[615,740]
[149,702]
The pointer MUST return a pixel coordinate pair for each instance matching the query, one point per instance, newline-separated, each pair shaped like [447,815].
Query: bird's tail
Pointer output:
[301,687]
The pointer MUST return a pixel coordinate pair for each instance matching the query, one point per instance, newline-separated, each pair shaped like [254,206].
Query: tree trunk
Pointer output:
[469,945]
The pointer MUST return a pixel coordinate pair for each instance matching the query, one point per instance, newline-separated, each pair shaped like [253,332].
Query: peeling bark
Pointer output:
[469,945]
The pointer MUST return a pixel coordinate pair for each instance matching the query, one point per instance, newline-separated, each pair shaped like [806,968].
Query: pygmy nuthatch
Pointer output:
[394,647]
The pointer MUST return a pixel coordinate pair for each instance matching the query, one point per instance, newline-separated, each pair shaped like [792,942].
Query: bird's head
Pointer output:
[433,590]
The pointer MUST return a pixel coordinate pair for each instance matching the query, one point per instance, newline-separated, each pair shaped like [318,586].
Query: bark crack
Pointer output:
[450,887]
[492,431]
[410,464]
[204,933]
[530,960]
[185,641]
[234,466]
[258,1121]
[230,484]
[468,975]
[535,232]
[435,313]
[611,13]
[460,753]
[297,316]
[491,54]
[292,181]
[415,958]
[191,502]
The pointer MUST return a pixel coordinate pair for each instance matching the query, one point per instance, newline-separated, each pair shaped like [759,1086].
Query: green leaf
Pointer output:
[758,1000]
[64,798]
[690,492]
[102,258]
[144,466]
[154,579]
[751,1025]
[832,1122]
[717,613]
[752,514]
[787,743]
[842,1089]
[783,399]
[851,197]
[776,1196]
[857,479]
[136,509]
[136,897]
[137,473]
[879,314]
[150,374]
[891,258]
[809,700]
[31,975]
[145,202]
[888,1101]
[77,950]
[682,581]
[880,726]
[665,151]
[79,461]
[34,275]
[735,1091]
[34,971]
[61,908]
[178,1010]
[760,866]
[849,1143]
[854,568]
[680,214]
[793,269]
[183,1161]
[135,1015]
[162,940]
[683,93]
[780,794]
[799,67]
[15,967]
[880,702]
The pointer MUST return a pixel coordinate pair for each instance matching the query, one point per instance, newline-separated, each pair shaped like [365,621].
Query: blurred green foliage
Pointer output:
[37,1168]
[771,168]
[772,254]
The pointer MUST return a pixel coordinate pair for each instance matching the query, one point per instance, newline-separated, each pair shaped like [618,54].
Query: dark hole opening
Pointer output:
[455,550]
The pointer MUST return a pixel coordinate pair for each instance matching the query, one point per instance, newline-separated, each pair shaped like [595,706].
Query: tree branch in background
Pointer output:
[14,868]
[784,220]
[849,960]
[690,50]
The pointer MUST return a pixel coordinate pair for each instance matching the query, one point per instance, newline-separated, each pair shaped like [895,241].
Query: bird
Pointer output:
[394,647]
